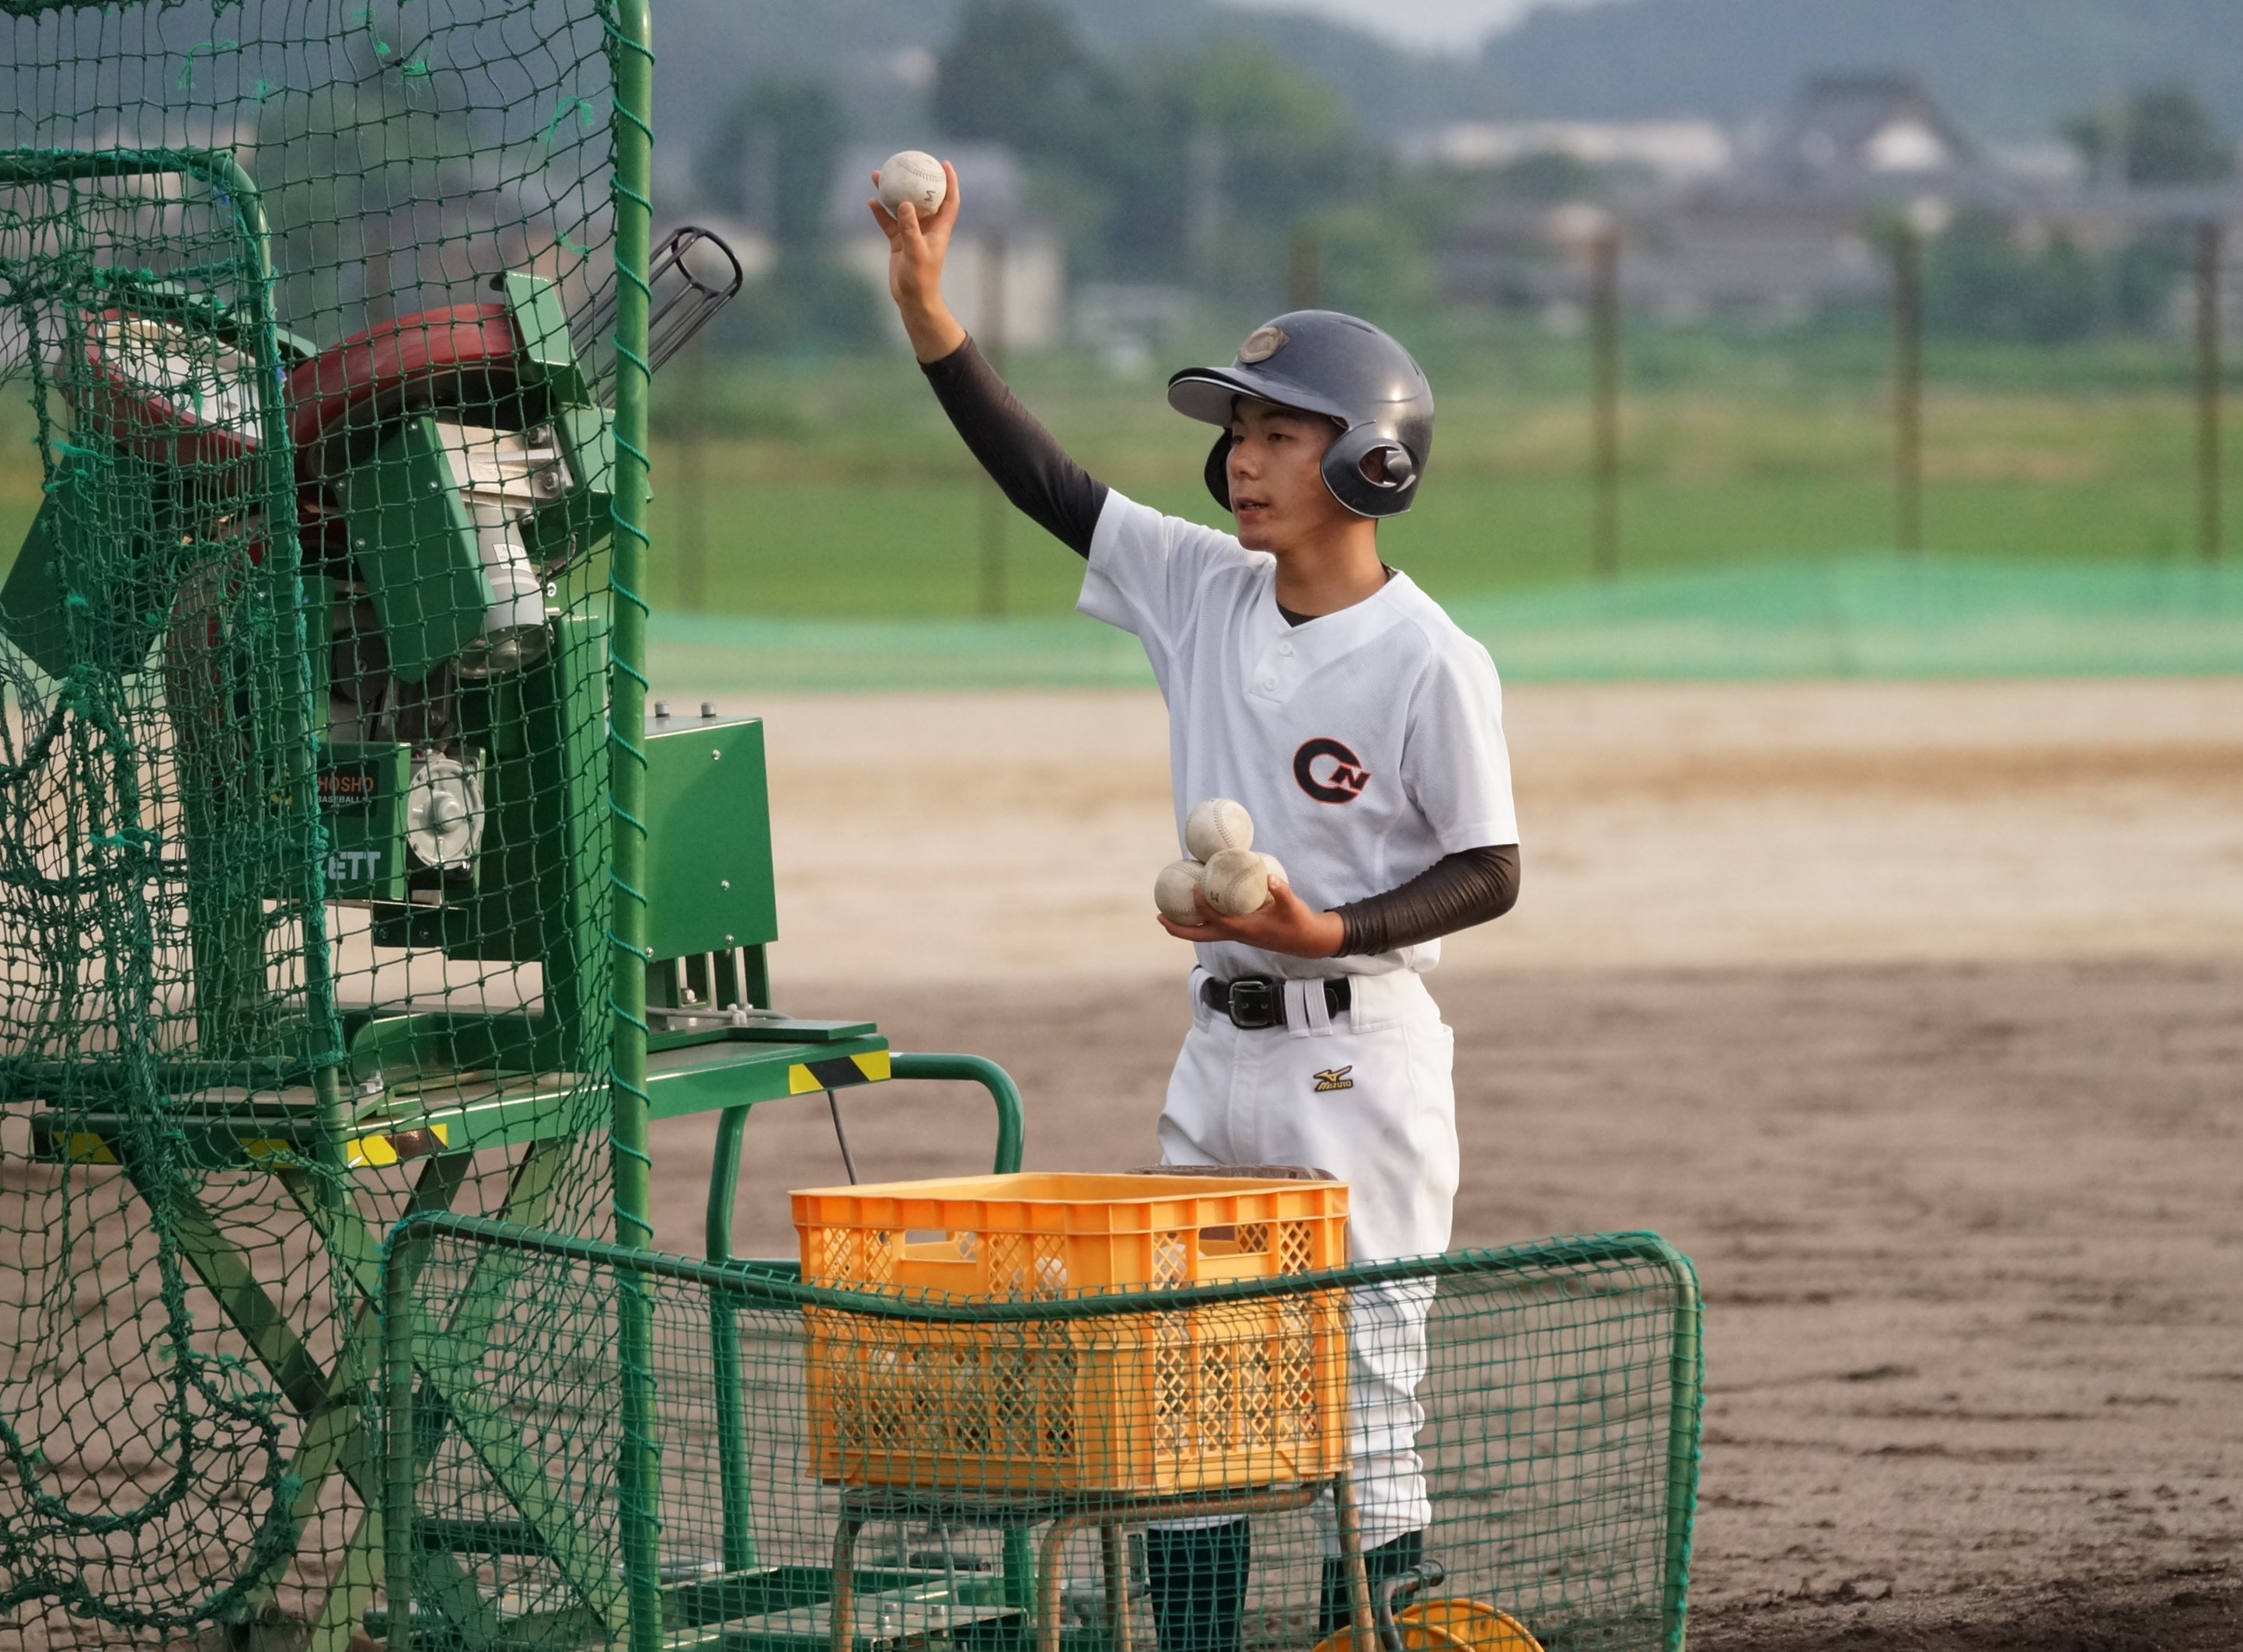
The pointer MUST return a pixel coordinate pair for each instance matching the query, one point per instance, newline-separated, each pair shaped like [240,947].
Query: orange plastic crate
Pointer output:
[1243,1393]
[1056,1234]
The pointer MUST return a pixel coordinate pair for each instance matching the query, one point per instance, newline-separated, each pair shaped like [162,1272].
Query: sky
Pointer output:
[1456,26]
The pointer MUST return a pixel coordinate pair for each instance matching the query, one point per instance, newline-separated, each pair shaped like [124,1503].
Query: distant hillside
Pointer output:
[2005,68]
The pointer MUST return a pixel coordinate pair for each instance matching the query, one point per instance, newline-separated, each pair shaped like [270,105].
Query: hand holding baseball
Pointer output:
[1238,894]
[1284,923]
[917,248]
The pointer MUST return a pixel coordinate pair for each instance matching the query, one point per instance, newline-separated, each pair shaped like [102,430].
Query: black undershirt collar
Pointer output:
[1291,618]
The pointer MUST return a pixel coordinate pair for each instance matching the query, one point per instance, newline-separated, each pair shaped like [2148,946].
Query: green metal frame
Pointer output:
[739,1542]
[413,1424]
[331,1399]
[747,1283]
[219,170]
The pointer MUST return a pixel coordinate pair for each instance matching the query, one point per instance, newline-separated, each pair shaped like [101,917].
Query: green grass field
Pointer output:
[835,489]
[839,490]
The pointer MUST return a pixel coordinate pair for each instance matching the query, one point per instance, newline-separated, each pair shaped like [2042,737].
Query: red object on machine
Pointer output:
[155,391]
[460,355]
[151,393]
[446,358]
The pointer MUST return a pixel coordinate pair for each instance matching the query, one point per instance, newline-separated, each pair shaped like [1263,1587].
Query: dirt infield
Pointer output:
[1015,836]
[1913,1014]
[1968,1234]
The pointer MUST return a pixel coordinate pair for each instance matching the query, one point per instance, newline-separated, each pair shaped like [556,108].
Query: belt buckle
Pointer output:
[1254,1004]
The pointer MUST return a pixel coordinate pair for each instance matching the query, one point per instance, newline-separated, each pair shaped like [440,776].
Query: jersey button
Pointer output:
[1269,683]
[1284,647]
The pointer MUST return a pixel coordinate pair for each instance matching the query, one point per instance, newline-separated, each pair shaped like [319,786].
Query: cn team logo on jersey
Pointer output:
[1328,772]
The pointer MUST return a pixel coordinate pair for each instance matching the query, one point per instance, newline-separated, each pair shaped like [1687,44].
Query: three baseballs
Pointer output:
[1222,866]
[1216,825]
[1236,882]
[1173,890]
[915,176]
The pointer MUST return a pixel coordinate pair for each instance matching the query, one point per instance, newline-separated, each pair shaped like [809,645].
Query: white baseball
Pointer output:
[915,176]
[1275,868]
[1173,889]
[1216,825]
[1237,882]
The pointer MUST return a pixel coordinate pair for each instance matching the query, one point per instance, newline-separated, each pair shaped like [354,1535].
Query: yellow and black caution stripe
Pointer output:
[388,1147]
[837,1072]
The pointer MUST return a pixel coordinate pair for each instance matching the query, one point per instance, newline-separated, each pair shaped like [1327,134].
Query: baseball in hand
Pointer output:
[1237,881]
[1275,868]
[1173,890]
[915,176]
[1216,825]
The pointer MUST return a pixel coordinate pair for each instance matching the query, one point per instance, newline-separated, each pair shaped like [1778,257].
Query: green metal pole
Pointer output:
[2208,530]
[978,1069]
[400,1459]
[733,1484]
[1018,1579]
[1686,1391]
[996,512]
[631,54]
[1603,432]
[1908,389]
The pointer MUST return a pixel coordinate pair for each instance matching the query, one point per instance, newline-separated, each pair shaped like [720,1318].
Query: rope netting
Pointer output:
[342,880]
[1006,1473]
[304,824]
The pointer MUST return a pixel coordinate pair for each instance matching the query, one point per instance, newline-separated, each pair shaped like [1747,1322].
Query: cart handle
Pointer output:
[725,1174]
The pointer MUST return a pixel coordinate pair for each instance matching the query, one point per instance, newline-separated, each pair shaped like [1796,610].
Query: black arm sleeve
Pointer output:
[1454,893]
[1033,469]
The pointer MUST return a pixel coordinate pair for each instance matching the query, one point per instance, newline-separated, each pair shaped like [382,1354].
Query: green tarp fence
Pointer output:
[1867,616]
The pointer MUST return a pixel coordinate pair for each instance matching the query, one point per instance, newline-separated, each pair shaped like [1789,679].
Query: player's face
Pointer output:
[1278,492]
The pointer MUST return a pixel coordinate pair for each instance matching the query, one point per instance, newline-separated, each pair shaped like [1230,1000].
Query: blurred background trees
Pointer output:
[771,161]
[1218,173]
[1703,227]
[1192,167]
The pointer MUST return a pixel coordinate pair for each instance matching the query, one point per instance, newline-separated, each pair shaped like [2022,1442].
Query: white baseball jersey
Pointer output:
[1366,746]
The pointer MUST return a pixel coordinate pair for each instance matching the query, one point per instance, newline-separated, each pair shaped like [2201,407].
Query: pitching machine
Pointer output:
[315,773]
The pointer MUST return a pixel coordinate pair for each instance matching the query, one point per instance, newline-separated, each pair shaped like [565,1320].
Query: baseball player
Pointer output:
[1362,731]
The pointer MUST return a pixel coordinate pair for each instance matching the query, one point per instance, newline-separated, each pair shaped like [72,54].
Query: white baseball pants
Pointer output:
[1367,1095]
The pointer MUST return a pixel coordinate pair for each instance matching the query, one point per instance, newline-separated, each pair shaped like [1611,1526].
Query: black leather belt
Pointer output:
[1253,1002]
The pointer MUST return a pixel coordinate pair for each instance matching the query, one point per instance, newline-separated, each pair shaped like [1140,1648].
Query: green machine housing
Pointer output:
[526,896]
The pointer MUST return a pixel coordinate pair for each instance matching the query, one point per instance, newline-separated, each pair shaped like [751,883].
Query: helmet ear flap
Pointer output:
[1218,469]
[1349,472]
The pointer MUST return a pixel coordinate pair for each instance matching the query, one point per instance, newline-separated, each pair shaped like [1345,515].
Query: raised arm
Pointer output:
[1020,455]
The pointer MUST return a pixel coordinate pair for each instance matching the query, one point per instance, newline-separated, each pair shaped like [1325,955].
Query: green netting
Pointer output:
[1008,1473]
[307,871]
[342,880]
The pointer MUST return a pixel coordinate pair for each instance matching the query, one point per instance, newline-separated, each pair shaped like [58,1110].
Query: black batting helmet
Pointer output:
[1323,362]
